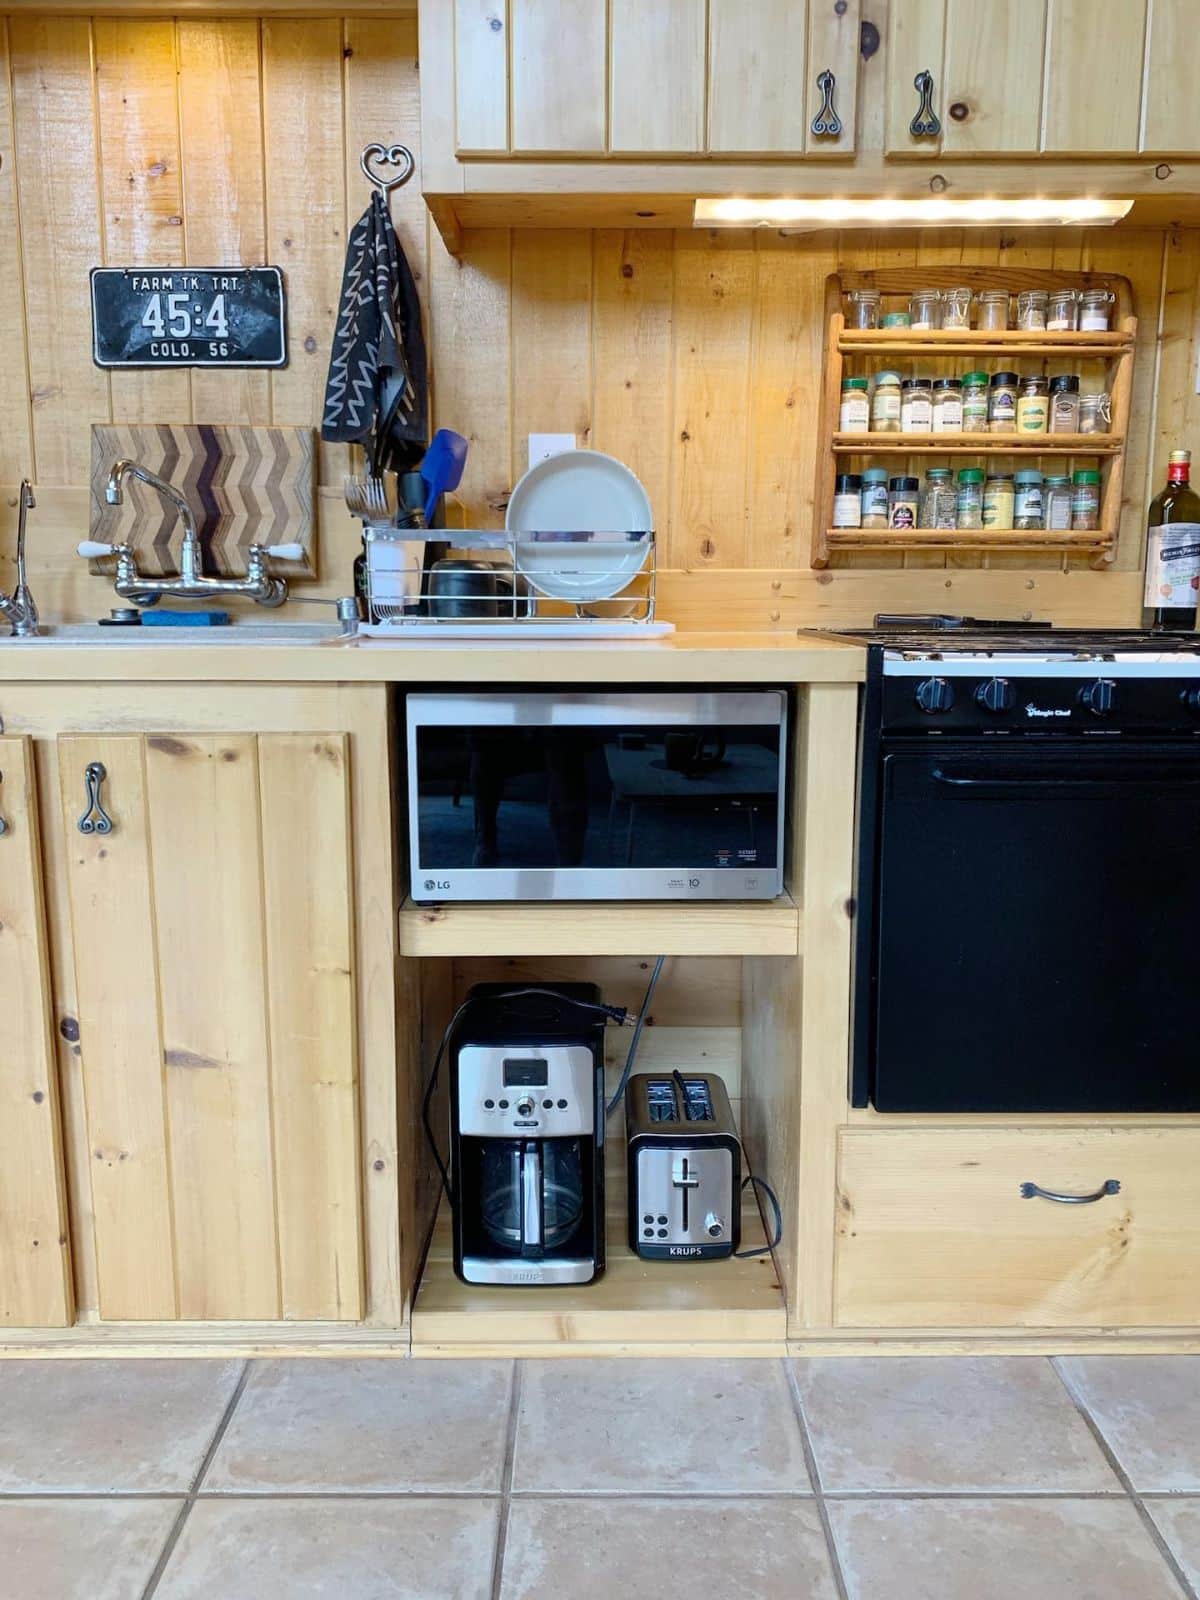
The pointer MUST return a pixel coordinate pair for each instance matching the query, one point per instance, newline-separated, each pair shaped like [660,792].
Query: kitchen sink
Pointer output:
[91,633]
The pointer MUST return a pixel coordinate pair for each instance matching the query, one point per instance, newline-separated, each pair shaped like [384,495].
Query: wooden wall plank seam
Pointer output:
[17,457]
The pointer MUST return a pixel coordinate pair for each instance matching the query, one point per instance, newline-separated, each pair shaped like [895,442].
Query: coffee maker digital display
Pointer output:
[524,1074]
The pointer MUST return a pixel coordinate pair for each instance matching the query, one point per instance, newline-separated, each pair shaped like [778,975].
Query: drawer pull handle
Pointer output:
[1033,1191]
[95,819]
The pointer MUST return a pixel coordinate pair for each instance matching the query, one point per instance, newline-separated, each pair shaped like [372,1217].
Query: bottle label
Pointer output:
[1173,566]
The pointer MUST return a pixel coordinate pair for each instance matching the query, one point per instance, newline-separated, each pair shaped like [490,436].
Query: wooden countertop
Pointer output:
[679,658]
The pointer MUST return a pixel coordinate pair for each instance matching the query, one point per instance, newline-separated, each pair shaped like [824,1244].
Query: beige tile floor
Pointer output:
[867,1479]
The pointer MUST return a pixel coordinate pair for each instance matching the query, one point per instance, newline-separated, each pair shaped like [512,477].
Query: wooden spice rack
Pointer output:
[950,352]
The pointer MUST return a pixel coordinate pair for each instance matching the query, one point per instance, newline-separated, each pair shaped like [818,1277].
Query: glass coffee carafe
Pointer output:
[532,1193]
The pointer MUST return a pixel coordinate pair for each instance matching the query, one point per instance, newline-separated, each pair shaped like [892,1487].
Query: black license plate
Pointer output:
[188,317]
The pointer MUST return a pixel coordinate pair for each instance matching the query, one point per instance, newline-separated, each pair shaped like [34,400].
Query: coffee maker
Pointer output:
[527,1135]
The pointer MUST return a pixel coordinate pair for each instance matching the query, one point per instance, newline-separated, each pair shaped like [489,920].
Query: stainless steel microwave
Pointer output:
[581,795]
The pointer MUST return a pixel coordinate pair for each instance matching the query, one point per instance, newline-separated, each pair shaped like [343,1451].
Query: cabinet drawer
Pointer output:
[933,1229]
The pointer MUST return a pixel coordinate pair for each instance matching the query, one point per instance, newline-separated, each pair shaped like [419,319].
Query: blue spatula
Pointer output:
[442,468]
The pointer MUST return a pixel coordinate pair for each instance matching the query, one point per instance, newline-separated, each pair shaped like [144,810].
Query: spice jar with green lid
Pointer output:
[998,497]
[1056,502]
[885,403]
[975,402]
[1028,511]
[939,502]
[875,498]
[1085,501]
[855,413]
[970,497]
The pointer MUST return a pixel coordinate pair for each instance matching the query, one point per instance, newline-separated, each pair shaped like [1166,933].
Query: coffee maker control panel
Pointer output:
[530,1092]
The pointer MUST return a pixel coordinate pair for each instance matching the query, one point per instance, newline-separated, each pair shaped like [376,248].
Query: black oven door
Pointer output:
[1035,933]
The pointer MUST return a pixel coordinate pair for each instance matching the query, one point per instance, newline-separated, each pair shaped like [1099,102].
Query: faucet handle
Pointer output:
[283,552]
[93,549]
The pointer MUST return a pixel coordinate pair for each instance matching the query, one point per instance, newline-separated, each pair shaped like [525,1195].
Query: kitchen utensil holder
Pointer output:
[634,604]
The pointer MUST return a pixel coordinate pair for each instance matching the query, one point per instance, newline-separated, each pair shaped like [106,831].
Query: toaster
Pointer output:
[684,1166]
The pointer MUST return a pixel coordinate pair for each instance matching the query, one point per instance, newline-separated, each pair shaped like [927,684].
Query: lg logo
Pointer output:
[437,883]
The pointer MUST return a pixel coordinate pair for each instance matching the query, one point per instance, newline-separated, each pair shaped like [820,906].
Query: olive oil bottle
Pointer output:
[1173,549]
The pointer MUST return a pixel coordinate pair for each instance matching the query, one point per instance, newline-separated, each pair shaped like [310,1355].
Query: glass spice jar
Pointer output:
[1085,501]
[1031,310]
[855,413]
[925,310]
[847,500]
[916,406]
[875,498]
[947,405]
[939,503]
[1095,414]
[1062,311]
[1056,502]
[970,498]
[902,502]
[1033,405]
[999,494]
[1028,500]
[1064,403]
[862,308]
[956,308]
[1002,403]
[1094,310]
[993,309]
[885,403]
[975,402]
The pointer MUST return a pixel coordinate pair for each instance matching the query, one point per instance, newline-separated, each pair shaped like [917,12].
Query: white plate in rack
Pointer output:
[580,491]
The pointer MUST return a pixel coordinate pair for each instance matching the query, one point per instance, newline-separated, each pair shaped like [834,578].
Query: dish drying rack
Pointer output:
[405,605]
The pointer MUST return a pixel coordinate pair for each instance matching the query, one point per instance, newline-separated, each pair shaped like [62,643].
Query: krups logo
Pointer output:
[1047,711]
[437,883]
[524,1275]
[684,1250]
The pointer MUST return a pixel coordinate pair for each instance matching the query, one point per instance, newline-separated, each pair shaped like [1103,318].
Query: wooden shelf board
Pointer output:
[951,341]
[965,539]
[977,444]
[603,928]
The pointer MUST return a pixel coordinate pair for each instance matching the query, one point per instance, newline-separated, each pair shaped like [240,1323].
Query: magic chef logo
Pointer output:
[1047,711]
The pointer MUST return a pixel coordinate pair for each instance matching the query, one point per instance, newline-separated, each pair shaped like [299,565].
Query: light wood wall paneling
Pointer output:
[224,188]
[141,184]
[383,105]
[756,67]
[472,364]
[116,978]
[1170,108]
[559,56]
[551,337]
[306,209]
[203,809]
[833,45]
[481,75]
[1093,77]
[993,57]
[1177,417]
[35,1260]
[631,337]
[61,235]
[308,899]
[714,297]
[16,421]
[656,75]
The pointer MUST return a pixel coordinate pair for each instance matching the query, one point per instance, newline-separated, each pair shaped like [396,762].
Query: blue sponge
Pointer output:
[184,619]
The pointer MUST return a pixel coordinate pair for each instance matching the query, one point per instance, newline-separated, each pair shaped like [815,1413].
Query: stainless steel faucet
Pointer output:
[191,584]
[21,610]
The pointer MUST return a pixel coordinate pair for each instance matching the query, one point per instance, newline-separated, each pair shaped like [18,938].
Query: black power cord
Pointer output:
[765,1249]
[619,1093]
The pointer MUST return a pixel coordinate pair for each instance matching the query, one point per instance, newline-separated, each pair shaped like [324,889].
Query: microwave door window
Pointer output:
[597,796]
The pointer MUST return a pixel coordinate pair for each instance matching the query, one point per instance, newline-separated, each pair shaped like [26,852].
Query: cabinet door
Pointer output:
[916,35]
[1170,104]
[757,59]
[558,72]
[1093,76]
[35,1269]
[992,77]
[480,76]
[656,76]
[833,43]
[211,932]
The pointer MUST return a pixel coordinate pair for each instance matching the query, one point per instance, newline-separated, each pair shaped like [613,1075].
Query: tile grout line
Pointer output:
[506,1479]
[1124,1479]
[177,1527]
[814,1474]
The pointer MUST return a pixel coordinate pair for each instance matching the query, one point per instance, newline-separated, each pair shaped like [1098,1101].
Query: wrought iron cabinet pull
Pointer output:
[95,819]
[926,124]
[1034,1191]
[826,124]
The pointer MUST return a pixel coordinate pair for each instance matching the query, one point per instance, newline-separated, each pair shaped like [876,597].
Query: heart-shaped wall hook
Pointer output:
[396,155]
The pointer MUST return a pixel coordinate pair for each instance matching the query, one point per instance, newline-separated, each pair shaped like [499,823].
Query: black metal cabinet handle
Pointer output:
[826,124]
[3,824]
[95,819]
[925,125]
[1034,1191]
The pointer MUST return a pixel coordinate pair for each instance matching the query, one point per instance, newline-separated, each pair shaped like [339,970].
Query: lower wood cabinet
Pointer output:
[934,1230]
[210,887]
[35,1270]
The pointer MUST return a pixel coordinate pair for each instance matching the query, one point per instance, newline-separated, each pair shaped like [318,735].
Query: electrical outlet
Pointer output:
[543,445]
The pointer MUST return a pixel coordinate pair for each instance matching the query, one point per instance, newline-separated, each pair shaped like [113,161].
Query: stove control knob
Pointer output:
[1099,697]
[1191,699]
[996,695]
[525,1108]
[714,1224]
[935,694]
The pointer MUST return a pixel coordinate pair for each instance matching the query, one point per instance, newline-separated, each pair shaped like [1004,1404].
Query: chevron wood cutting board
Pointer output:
[245,486]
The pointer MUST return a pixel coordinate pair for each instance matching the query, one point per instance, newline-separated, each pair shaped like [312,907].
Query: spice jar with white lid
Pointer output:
[847,500]
[875,498]
[855,413]
[993,309]
[916,406]
[1031,310]
[1095,307]
[947,405]
[1062,311]
[1064,403]
[885,403]
[1002,402]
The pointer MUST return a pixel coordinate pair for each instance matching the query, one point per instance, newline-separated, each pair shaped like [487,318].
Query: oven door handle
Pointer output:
[1088,781]
[1033,1191]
